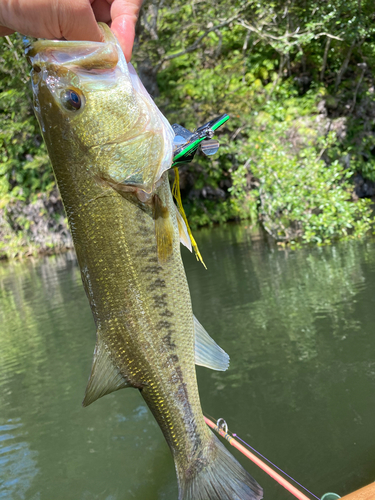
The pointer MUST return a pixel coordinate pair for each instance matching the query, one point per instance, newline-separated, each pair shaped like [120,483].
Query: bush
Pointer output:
[25,170]
[297,80]
[299,197]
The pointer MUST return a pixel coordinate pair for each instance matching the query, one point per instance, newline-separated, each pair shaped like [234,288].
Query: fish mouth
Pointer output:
[84,55]
[90,67]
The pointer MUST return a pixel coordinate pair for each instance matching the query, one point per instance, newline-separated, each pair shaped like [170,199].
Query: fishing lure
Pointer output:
[185,145]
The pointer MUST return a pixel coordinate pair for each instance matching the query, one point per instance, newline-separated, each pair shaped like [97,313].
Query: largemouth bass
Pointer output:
[111,148]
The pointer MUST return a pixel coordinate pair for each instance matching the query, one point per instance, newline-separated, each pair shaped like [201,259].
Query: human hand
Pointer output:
[71,19]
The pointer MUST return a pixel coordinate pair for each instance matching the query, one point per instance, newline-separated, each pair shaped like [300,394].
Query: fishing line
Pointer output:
[222,429]
[274,465]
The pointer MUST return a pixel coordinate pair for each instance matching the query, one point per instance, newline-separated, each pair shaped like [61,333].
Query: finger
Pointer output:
[5,31]
[124,14]
[71,19]
[102,10]
[124,29]
[77,21]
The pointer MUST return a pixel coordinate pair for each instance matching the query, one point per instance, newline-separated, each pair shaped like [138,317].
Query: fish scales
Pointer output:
[110,149]
[133,300]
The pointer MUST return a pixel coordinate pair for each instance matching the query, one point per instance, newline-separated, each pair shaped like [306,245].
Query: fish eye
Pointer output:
[71,100]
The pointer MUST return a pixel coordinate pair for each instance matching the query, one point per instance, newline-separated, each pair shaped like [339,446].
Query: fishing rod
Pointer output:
[222,429]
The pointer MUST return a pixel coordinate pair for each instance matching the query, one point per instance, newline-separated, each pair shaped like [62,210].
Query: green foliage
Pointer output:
[299,196]
[297,80]
[287,74]
[25,170]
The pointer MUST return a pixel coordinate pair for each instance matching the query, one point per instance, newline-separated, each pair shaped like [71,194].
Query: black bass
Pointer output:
[111,148]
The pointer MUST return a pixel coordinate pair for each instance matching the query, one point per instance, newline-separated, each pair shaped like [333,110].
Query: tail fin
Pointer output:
[221,478]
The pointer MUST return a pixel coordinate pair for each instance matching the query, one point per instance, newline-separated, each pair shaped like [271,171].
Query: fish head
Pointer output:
[95,113]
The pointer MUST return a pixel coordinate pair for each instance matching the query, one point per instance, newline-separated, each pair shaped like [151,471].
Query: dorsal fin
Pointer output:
[105,376]
[207,352]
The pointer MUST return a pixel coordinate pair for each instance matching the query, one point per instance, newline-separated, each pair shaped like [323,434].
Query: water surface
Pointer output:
[298,325]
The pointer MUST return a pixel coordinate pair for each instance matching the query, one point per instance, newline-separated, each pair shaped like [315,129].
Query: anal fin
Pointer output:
[105,376]
[207,352]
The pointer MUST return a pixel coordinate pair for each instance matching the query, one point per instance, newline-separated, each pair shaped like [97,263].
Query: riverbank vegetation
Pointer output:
[297,155]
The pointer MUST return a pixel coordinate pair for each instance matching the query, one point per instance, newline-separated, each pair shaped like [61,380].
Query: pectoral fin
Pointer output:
[207,352]
[163,230]
[177,195]
[182,229]
[105,376]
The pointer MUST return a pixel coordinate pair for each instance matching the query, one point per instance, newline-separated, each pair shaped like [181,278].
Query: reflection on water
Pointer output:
[301,386]
[17,463]
[46,347]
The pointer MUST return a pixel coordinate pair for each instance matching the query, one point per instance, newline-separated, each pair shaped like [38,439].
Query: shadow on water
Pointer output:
[298,326]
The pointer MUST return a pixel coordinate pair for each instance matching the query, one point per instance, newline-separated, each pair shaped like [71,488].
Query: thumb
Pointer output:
[124,14]
[77,21]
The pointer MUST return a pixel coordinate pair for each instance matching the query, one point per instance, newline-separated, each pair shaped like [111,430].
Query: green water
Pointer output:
[299,327]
